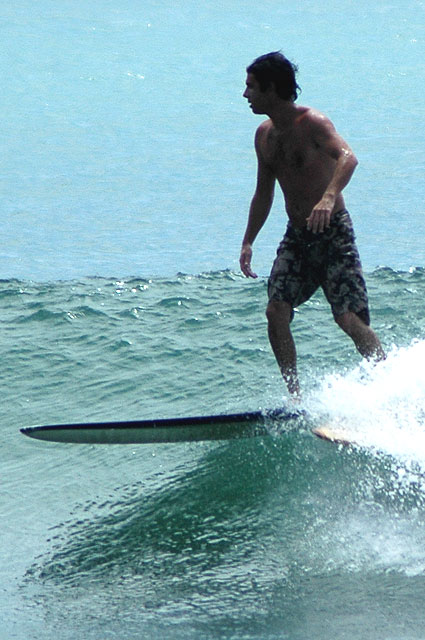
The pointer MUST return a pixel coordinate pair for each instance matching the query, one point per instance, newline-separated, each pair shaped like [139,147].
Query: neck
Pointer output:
[283,113]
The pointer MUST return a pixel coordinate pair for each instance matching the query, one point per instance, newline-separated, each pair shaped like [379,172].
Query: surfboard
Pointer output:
[334,434]
[165,430]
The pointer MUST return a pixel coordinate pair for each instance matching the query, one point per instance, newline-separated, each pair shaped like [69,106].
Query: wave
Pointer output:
[387,273]
[207,532]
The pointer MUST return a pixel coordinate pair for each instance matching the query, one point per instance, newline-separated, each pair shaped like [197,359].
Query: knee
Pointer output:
[278,312]
[349,322]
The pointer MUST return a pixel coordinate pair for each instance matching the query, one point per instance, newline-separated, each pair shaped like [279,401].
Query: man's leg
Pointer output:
[279,317]
[365,339]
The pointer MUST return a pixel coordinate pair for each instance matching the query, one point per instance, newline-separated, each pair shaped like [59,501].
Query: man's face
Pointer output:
[257,99]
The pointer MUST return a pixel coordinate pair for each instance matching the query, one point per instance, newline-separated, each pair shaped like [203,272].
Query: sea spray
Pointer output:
[380,405]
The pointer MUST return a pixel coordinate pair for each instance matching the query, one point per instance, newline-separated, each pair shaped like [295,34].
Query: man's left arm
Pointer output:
[336,148]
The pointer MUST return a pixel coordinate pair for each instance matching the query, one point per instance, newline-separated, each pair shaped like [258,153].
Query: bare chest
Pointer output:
[290,155]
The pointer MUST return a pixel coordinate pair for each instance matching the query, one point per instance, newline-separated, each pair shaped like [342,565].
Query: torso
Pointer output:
[300,164]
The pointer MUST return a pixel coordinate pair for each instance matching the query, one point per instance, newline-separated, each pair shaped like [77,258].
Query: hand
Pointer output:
[245,261]
[320,217]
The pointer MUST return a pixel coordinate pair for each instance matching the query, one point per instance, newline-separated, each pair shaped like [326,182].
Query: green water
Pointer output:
[283,536]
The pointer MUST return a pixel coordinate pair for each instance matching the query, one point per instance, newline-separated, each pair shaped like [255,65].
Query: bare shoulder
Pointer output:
[320,130]
[262,131]
[315,120]
[261,139]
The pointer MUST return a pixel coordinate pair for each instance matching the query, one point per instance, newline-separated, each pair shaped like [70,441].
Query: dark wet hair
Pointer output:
[275,68]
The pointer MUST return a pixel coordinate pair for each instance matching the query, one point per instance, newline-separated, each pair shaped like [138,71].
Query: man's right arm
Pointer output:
[259,210]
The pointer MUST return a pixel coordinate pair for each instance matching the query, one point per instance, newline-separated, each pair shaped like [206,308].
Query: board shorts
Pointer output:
[306,261]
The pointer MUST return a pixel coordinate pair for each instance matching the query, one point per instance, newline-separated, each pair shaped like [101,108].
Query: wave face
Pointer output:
[283,536]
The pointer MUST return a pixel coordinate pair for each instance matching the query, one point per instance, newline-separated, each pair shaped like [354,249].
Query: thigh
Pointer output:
[291,279]
[344,285]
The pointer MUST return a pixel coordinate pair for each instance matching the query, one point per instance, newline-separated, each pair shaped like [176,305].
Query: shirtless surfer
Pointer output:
[300,148]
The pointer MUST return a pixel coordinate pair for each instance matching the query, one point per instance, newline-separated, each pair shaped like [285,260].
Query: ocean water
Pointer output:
[127,170]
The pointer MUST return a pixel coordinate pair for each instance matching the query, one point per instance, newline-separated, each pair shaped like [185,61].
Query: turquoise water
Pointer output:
[128,149]
[127,172]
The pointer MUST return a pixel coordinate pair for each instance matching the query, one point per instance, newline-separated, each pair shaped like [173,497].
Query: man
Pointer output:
[300,148]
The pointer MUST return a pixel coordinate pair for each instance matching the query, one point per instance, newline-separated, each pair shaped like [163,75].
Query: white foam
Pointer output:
[382,405]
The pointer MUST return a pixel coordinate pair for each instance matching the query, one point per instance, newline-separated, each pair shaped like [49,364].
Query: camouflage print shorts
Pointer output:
[306,261]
